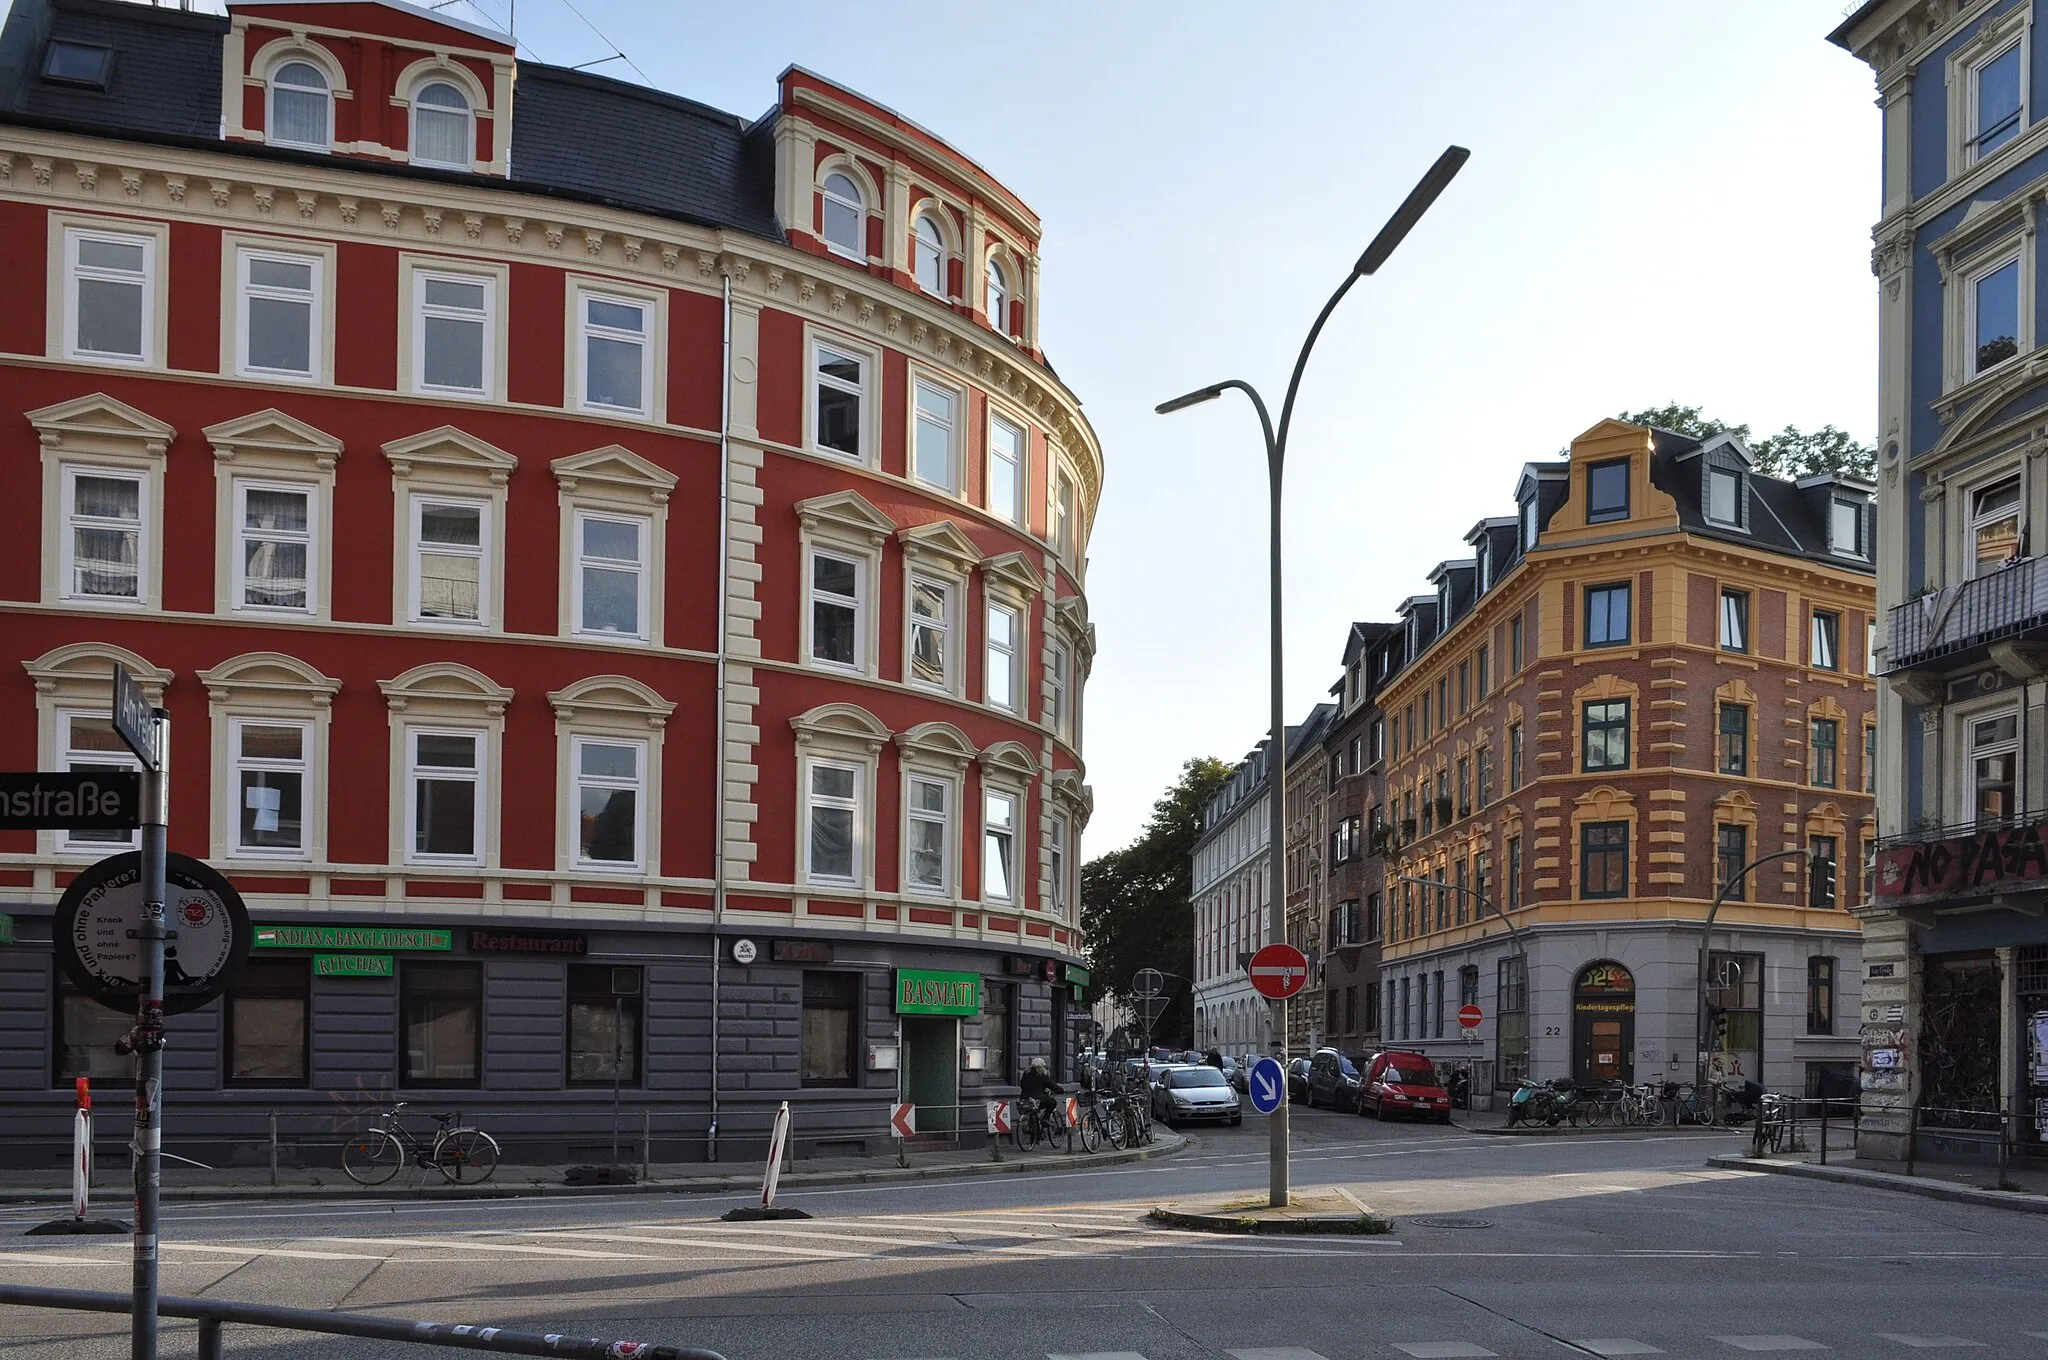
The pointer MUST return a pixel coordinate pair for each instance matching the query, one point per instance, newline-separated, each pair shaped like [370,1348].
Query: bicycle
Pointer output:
[1093,1128]
[1034,1124]
[1130,1120]
[462,1154]
[1640,1105]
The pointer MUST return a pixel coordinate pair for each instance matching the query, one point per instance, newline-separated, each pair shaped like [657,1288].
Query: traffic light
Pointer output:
[1822,893]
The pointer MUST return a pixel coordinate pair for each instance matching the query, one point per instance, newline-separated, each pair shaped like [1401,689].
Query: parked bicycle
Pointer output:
[462,1154]
[1092,1128]
[1130,1120]
[1640,1105]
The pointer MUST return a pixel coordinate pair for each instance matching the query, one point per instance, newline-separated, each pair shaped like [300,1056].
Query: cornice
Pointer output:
[945,160]
[344,202]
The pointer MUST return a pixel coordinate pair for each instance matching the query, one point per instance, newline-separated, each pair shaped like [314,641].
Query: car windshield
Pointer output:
[1198,1076]
[1415,1070]
[1347,1067]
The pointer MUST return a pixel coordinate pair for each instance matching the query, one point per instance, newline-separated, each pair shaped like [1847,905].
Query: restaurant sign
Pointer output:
[351,937]
[2009,857]
[352,965]
[922,991]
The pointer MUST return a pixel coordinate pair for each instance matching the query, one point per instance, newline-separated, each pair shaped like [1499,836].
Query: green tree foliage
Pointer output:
[1136,903]
[1790,453]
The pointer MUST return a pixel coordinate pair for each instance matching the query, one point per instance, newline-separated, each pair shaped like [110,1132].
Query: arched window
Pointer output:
[998,308]
[845,216]
[441,127]
[301,108]
[931,257]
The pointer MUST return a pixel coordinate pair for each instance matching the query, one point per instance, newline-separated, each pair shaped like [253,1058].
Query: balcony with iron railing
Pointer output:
[1986,857]
[1947,627]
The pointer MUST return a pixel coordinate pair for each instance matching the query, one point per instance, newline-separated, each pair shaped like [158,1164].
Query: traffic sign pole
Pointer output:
[147,1039]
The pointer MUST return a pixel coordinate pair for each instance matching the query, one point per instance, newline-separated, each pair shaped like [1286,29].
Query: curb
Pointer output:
[1590,1131]
[2010,1200]
[1362,1223]
[1019,1164]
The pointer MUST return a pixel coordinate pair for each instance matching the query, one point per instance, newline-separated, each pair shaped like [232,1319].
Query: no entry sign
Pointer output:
[1279,971]
[1470,1016]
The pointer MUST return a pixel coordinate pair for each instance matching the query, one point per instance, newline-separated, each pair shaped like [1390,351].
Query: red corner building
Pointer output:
[614,569]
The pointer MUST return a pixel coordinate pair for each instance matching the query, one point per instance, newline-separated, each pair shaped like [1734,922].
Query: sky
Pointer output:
[1665,201]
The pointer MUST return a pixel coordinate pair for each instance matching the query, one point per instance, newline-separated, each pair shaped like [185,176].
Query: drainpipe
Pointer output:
[718,709]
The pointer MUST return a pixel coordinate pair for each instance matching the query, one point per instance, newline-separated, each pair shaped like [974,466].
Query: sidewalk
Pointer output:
[2026,1188]
[111,1185]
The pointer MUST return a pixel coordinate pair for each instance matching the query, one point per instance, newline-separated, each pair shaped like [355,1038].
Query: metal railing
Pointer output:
[213,1315]
[1969,614]
[1928,832]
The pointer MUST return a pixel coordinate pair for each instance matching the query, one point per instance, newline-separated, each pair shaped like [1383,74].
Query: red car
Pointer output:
[1403,1083]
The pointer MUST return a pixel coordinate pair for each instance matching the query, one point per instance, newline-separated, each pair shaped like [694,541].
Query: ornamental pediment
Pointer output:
[941,539]
[272,431]
[615,468]
[453,450]
[846,512]
[97,422]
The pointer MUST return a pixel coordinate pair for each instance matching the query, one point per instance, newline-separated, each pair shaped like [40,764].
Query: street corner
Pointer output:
[1332,1211]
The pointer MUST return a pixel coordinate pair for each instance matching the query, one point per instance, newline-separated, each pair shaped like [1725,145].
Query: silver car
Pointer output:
[1187,1094]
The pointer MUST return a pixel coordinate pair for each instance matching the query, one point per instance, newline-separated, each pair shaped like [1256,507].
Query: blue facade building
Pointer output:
[1955,1007]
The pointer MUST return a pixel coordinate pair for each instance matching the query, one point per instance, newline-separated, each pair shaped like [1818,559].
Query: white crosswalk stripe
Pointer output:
[1929,1343]
[1618,1345]
[1274,1353]
[1771,1343]
[1441,1350]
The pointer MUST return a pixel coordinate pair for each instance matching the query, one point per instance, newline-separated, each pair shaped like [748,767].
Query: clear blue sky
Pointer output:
[1664,201]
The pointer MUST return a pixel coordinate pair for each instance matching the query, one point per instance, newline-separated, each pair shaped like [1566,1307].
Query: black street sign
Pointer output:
[134,718]
[98,933]
[62,800]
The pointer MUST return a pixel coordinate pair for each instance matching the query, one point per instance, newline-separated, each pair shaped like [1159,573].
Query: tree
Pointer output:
[1137,903]
[1790,453]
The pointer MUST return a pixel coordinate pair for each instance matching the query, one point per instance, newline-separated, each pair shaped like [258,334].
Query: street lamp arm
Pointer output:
[1514,931]
[1734,881]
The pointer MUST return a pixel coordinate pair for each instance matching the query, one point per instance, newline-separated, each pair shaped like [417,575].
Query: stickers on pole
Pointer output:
[98,932]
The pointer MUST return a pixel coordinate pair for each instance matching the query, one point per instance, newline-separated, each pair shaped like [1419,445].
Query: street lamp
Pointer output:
[1514,935]
[1706,930]
[1390,236]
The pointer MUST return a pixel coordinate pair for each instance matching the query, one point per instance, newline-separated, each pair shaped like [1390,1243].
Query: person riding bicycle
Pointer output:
[1039,1087]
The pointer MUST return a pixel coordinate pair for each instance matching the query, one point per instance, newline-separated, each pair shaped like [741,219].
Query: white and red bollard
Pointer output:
[81,1176]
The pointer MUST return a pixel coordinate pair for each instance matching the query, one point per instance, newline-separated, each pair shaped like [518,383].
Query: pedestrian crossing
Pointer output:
[1734,1344]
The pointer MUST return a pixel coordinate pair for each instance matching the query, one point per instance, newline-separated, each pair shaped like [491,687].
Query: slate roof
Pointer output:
[574,135]
[1783,518]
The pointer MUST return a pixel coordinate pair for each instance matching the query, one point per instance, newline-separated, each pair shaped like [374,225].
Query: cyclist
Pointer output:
[1039,1087]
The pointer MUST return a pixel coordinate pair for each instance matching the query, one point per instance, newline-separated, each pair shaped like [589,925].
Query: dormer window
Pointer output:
[998,307]
[1529,524]
[931,256]
[441,135]
[1724,497]
[1443,606]
[1607,491]
[846,216]
[1485,567]
[301,108]
[74,63]
[1845,528]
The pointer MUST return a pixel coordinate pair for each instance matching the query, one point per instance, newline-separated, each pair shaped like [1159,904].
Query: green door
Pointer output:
[931,1072]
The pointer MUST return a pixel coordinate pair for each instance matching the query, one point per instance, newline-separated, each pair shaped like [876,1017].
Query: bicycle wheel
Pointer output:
[1022,1127]
[1090,1131]
[372,1158]
[1113,1124]
[466,1156]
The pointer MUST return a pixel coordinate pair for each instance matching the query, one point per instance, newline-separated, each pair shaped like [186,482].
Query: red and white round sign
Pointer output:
[1279,971]
[1470,1016]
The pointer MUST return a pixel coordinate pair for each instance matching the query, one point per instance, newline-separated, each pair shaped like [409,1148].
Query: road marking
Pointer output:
[712,1242]
[1274,1353]
[1928,1343]
[37,1258]
[1440,1350]
[468,1244]
[1617,1345]
[1099,1355]
[271,1251]
[1771,1343]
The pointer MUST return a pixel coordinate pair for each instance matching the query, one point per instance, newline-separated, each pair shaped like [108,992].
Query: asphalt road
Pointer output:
[1606,1245]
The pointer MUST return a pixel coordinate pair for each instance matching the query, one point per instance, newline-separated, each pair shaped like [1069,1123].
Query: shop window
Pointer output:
[268,1018]
[1511,1019]
[830,1027]
[604,1024]
[442,1006]
[998,1032]
[82,1044]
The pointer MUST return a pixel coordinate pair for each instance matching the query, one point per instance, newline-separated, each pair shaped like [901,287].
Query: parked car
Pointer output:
[1297,1080]
[1186,1094]
[1403,1083]
[1333,1080]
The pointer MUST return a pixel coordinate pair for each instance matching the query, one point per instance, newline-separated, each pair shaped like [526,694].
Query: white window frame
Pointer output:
[241,535]
[581,561]
[990,831]
[951,486]
[1966,339]
[918,247]
[1060,865]
[146,548]
[1066,513]
[270,88]
[67,758]
[1059,668]
[945,819]
[583,331]
[420,275]
[862,591]
[1008,657]
[996,294]
[1855,547]
[810,801]
[485,553]
[861,392]
[238,764]
[1813,647]
[637,785]
[147,281]
[1964,809]
[948,625]
[1734,476]
[315,297]
[859,251]
[1722,620]
[1020,469]
[1975,520]
[479,779]
[468,116]
[1973,89]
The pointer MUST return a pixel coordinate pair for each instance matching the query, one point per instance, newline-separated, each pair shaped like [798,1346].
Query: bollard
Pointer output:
[273,1147]
[1912,1135]
[1823,1130]
[646,1142]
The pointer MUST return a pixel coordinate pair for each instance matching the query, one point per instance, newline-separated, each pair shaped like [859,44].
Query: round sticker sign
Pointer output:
[98,932]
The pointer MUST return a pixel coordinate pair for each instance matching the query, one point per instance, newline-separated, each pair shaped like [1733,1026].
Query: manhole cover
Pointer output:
[1444,1222]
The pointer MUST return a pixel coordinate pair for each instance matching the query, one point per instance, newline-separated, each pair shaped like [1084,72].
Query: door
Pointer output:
[1603,1025]
[931,1072]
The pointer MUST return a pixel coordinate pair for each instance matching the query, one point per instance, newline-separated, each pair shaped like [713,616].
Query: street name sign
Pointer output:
[70,800]
[98,933]
[1268,1085]
[134,717]
[1469,1016]
[1279,971]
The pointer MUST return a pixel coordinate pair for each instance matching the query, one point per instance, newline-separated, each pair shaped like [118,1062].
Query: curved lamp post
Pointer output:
[1706,930]
[1390,236]
[1514,936]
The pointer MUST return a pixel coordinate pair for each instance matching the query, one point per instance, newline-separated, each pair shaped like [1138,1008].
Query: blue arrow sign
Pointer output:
[1268,1085]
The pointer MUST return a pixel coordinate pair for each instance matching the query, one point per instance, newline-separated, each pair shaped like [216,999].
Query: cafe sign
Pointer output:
[352,938]
[923,991]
